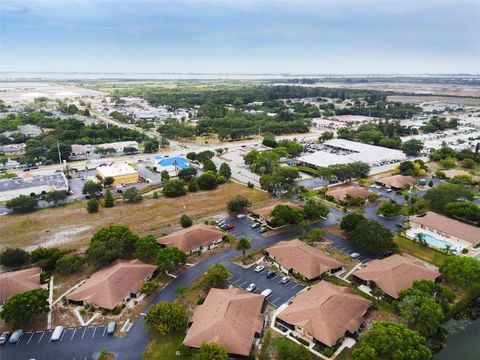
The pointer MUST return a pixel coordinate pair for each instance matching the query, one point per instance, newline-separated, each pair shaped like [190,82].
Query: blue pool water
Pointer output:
[182,163]
[440,244]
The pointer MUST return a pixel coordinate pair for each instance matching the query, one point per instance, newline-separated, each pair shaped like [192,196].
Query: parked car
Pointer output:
[270,274]
[220,222]
[255,225]
[119,191]
[267,292]
[16,336]
[241,216]
[285,280]
[111,327]
[229,227]
[57,333]
[4,337]
[354,255]
[263,229]
[259,268]
[251,287]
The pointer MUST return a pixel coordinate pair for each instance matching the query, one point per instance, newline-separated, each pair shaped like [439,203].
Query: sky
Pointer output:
[241,36]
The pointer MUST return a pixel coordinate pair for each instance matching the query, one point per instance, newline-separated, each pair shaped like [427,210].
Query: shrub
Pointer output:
[185,221]
[92,206]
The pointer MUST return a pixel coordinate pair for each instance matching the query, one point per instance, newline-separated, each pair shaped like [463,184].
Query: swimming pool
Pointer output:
[439,244]
[182,163]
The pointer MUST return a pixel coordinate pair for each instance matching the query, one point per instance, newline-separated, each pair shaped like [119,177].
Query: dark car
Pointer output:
[270,274]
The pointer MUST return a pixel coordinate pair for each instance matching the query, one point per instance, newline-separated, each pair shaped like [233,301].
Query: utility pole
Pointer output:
[59,154]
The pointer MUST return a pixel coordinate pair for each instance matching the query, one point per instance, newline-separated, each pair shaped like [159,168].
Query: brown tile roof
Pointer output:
[192,237]
[341,193]
[302,258]
[450,227]
[228,317]
[109,286]
[265,211]
[326,312]
[397,181]
[16,281]
[450,174]
[395,273]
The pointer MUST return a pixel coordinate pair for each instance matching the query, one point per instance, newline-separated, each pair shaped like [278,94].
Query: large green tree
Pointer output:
[314,211]
[169,259]
[46,258]
[284,214]
[216,276]
[207,181]
[373,237]
[463,271]
[91,188]
[238,204]
[174,187]
[14,257]
[22,204]
[445,193]
[69,264]
[350,221]
[166,318]
[146,249]
[390,341]
[225,170]
[24,306]
[211,351]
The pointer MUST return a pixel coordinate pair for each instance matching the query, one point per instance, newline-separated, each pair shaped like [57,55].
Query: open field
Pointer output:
[164,347]
[443,99]
[423,253]
[71,225]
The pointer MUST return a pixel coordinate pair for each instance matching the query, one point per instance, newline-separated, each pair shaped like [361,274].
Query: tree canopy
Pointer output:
[166,318]
[24,306]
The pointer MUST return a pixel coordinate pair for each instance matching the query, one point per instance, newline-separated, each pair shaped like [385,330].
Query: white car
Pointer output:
[354,255]
[251,287]
[267,292]
[259,268]
[285,280]
[255,225]
[241,216]
[57,333]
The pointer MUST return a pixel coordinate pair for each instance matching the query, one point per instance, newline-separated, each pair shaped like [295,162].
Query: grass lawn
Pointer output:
[424,253]
[71,225]
[346,354]
[164,347]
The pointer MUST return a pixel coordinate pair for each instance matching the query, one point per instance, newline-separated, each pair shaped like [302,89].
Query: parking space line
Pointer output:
[233,283]
[94,330]
[43,333]
[63,334]
[274,277]
[33,333]
[104,331]
[74,331]
[18,342]
[84,332]
[274,301]
[293,287]
[242,284]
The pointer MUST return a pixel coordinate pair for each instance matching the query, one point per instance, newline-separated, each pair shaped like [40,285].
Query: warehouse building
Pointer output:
[30,185]
[121,174]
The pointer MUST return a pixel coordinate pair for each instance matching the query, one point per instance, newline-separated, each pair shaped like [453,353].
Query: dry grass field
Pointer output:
[72,226]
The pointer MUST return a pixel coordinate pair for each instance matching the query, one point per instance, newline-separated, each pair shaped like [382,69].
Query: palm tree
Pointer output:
[421,239]
[175,165]
[243,244]
[448,249]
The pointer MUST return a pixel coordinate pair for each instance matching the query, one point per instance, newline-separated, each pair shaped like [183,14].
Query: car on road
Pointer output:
[16,336]
[111,327]
[388,190]
[259,268]
[267,292]
[251,287]
[57,333]
[255,225]
[241,216]
[354,255]
[285,280]
[270,274]
[4,337]
[229,227]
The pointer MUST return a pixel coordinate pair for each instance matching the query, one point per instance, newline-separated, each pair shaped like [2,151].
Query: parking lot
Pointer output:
[77,334]
[281,293]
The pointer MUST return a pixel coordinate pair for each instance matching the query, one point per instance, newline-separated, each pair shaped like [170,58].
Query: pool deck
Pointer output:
[455,244]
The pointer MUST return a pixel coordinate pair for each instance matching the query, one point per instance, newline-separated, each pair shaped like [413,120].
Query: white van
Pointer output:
[57,333]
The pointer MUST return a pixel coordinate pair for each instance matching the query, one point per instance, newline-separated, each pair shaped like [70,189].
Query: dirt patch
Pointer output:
[73,226]
[335,229]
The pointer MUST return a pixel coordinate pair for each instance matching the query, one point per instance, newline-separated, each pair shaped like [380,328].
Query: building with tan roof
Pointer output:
[264,214]
[198,237]
[114,284]
[395,273]
[18,281]
[343,193]
[295,256]
[230,317]
[324,314]
[452,229]
[396,182]
[450,174]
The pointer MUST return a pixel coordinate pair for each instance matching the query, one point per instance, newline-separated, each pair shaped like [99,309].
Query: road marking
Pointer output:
[63,334]
[84,332]
[104,331]
[236,281]
[94,330]
[18,342]
[274,301]
[74,331]
[274,277]
[43,333]
[242,284]
[33,333]
[295,286]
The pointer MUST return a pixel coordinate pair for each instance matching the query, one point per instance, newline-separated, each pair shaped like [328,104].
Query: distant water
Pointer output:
[463,344]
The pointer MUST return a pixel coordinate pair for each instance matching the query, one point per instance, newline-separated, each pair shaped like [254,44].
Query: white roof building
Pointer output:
[116,169]
[340,151]
[32,184]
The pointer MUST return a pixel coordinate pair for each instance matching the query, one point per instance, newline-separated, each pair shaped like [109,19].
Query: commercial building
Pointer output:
[296,257]
[342,193]
[13,149]
[456,232]
[30,184]
[394,273]
[340,151]
[323,314]
[114,284]
[18,281]
[121,173]
[198,237]
[230,317]
[29,130]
